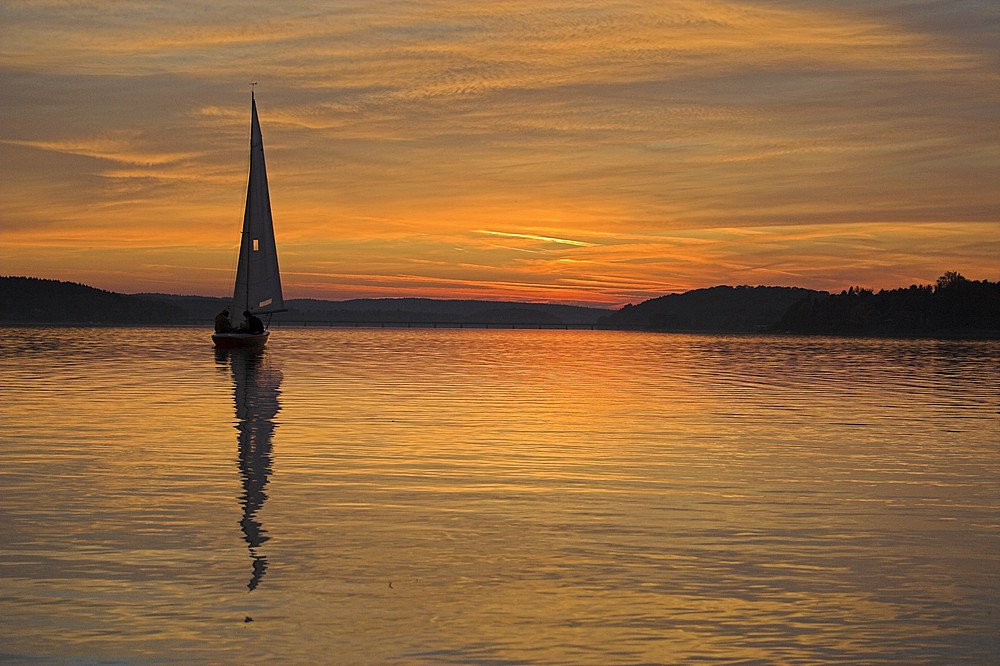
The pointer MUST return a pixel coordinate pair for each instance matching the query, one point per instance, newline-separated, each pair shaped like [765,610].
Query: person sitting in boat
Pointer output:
[253,325]
[222,324]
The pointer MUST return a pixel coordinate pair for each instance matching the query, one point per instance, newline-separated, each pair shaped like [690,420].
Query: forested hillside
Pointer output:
[39,301]
[719,308]
[952,306]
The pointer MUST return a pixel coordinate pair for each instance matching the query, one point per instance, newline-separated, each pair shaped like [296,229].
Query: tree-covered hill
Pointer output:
[719,308]
[952,306]
[38,301]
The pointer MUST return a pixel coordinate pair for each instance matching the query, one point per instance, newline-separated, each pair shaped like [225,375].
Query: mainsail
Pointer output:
[258,284]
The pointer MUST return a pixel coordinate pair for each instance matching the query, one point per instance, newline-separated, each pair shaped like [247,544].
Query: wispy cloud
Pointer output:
[547,239]
[611,150]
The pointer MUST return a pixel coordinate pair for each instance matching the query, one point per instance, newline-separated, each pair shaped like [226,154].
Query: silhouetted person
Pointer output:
[222,324]
[254,325]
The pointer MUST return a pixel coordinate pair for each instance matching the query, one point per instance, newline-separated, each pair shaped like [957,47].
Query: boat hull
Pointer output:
[240,340]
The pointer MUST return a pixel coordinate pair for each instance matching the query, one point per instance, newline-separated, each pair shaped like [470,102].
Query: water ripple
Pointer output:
[407,496]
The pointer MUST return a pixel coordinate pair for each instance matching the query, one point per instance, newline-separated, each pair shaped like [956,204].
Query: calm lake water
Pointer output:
[496,496]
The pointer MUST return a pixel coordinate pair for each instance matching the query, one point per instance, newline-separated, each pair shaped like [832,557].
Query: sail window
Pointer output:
[265,303]
[256,244]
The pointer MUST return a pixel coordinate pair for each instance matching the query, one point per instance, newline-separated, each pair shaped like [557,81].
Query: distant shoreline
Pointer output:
[953,309]
[951,336]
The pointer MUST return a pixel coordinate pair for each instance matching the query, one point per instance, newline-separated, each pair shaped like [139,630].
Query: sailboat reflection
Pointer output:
[255,389]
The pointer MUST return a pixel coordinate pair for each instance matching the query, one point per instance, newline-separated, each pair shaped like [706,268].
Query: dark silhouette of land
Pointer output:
[34,300]
[715,309]
[429,311]
[37,301]
[953,307]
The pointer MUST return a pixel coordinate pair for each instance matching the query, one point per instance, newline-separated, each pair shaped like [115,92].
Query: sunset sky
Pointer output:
[576,152]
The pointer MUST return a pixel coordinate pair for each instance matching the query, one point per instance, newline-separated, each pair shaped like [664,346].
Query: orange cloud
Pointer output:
[588,151]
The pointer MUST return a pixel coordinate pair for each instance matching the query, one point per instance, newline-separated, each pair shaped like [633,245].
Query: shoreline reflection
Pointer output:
[256,386]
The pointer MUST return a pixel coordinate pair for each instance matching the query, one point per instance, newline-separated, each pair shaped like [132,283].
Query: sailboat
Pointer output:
[258,283]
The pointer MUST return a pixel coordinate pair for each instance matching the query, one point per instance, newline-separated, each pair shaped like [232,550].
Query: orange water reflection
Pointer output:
[499,496]
[675,497]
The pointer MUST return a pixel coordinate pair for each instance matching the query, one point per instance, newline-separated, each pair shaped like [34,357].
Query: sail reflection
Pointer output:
[255,389]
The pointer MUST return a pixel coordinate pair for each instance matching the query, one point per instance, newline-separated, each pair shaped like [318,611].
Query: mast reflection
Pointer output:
[255,389]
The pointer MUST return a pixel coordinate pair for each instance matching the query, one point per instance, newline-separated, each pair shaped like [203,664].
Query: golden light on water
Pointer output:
[498,495]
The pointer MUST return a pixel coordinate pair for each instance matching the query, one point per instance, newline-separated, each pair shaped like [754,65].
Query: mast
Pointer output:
[253,121]
[245,258]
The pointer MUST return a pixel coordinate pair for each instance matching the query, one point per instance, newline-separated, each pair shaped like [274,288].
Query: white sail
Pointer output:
[258,283]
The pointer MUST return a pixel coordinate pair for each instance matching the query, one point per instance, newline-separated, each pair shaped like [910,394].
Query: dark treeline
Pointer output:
[499,315]
[954,306]
[721,308]
[427,310]
[35,300]
[25,300]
